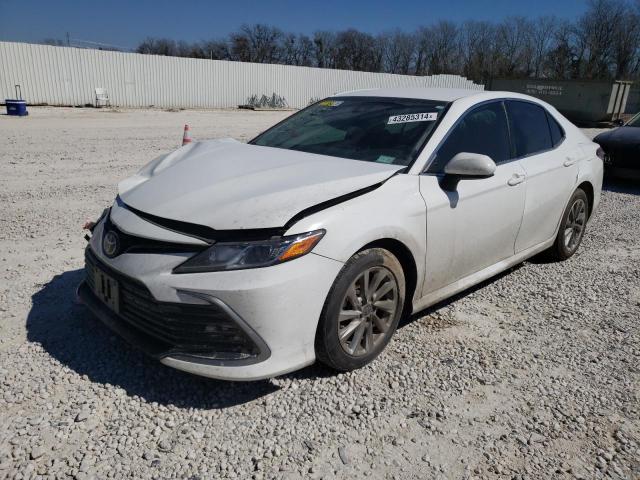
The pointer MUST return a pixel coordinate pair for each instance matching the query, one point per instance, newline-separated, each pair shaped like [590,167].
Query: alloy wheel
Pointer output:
[368,309]
[574,226]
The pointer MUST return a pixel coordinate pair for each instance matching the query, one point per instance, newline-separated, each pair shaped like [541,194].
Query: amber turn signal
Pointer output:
[302,246]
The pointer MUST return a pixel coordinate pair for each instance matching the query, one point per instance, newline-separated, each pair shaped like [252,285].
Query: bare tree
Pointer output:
[444,52]
[424,45]
[398,51]
[158,46]
[305,51]
[514,41]
[542,31]
[562,58]
[324,49]
[478,49]
[603,43]
[356,50]
[626,45]
[216,50]
[240,48]
[296,50]
[257,43]
[596,32]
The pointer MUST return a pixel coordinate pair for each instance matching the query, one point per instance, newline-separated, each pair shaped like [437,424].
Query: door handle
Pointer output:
[569,161]
[516,179]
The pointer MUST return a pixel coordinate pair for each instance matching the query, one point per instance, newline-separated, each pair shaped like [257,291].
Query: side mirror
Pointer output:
[466,164]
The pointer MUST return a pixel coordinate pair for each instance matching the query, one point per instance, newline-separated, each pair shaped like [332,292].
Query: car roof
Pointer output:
[440,94]
[437,94]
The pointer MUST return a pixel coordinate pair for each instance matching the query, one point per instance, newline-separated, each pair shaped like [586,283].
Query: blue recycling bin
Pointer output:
[17,107]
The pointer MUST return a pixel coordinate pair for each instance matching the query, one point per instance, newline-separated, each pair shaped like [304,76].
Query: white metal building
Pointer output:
[68,76]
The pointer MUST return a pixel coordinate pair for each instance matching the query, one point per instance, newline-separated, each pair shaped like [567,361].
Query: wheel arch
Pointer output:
[407,262]
[587,188]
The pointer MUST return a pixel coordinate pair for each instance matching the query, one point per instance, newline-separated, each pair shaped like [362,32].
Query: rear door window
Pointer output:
[557,134]
[482,130]
[529,128]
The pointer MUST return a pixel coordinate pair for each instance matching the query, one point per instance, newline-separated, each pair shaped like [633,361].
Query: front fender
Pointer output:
[395,210]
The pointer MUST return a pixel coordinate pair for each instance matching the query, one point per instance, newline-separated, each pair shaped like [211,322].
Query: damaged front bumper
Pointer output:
[235,325]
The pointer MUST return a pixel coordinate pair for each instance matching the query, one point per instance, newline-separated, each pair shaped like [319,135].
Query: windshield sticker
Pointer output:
[330,103]
[385,159]
[413,117]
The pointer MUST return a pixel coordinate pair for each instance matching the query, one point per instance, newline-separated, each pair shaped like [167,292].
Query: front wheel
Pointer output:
[362,310]
[572,226]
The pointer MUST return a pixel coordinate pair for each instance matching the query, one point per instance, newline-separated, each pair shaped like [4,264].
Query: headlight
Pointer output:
[255,254]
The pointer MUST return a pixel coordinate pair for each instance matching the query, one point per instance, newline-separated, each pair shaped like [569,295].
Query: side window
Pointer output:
[529,128]
[482,130]
[557,134]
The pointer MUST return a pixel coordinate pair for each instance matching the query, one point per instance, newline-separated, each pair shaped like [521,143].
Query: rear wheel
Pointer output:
[572,226]
[362,310]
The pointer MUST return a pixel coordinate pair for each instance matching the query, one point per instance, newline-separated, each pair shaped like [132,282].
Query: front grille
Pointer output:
[201,330]
[134,244]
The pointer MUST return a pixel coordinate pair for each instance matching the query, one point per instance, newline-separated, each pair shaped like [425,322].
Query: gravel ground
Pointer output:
[534,374]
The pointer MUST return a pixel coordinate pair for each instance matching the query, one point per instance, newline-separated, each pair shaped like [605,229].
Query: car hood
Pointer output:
[227,185]
[619,136]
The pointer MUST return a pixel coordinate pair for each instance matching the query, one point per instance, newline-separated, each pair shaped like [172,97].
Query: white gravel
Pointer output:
[535,374]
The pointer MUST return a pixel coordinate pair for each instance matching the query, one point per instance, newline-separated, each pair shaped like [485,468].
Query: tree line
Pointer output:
[603,43]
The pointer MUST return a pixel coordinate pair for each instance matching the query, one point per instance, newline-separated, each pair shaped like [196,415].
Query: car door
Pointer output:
[474,223]
[551,167]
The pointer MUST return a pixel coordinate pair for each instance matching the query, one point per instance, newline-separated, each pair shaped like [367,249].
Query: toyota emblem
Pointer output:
[111,244]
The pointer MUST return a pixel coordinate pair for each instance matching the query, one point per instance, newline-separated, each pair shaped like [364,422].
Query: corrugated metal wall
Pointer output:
[68,76]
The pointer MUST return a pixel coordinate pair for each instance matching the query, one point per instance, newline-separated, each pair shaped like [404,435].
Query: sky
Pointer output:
[125,23]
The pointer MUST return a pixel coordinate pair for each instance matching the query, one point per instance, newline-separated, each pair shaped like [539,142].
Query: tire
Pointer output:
[575,216]
[349,310]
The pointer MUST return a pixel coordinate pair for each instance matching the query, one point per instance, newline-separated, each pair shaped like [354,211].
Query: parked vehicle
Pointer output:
[583,102]
[246,261]
[622,149]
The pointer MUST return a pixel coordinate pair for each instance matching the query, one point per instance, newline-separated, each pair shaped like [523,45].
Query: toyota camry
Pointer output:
[310,242]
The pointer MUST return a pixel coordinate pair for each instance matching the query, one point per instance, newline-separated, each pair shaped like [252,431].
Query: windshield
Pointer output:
[634,122]
[374,129]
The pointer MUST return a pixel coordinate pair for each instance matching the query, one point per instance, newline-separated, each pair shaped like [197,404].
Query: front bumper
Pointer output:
[264,320]
[207,331]
[623,173]
[622,162]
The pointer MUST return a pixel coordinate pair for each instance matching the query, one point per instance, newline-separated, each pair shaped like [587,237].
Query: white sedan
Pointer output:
[246,261]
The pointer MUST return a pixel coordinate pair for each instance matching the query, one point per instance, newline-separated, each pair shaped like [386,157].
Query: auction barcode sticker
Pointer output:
[413,117]
[331,103]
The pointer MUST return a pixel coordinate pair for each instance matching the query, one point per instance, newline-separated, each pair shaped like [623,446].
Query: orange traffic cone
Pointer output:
[88,224]
[186,137]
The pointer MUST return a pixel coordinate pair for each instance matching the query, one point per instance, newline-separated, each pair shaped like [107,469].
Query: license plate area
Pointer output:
[106,289]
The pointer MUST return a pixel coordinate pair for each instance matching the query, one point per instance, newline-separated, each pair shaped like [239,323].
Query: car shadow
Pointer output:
[70,333]
[409,319]
[621,185]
